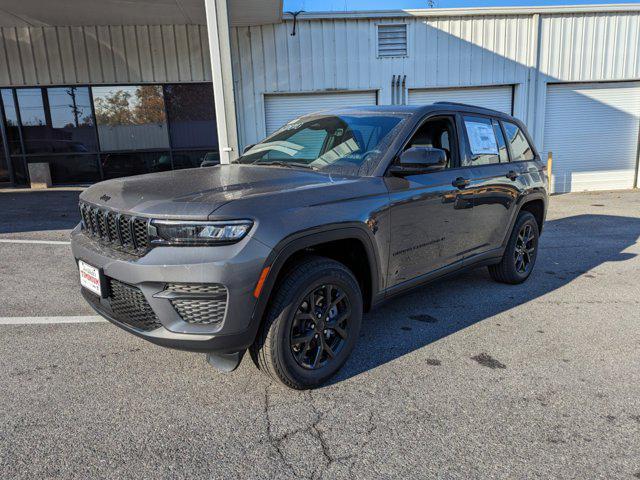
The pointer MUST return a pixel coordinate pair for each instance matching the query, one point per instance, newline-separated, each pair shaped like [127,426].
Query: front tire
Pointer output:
[311,325]
[520,255]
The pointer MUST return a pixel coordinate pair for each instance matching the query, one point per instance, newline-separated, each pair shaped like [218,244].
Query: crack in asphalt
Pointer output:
[323,442]
[314,429]
[273,440]
[372,427]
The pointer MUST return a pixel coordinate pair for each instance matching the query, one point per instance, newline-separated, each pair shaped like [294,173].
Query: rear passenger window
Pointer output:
[520,148]
[502,146]
[482,141]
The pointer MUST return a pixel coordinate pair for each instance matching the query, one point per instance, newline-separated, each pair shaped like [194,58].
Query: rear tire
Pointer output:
[520,255]
[311,324]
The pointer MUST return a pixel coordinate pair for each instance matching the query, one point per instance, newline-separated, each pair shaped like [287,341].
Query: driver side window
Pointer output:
[436,133]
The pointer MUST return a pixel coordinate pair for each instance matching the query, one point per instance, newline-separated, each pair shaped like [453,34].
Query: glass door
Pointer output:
[4,168]
[5,176]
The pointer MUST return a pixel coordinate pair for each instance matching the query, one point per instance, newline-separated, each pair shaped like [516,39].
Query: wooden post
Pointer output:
[549,167]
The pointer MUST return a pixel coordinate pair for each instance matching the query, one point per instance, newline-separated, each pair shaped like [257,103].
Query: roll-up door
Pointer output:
[592,130]
[280,109]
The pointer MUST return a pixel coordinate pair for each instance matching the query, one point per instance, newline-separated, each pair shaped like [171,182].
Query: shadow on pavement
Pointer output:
[38,210]
[569,248]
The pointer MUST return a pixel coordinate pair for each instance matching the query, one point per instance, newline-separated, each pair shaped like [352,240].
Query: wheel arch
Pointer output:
[537,206]
[324,242]
[537,201]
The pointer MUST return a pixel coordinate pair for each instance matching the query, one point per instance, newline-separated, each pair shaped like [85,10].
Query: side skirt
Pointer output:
[480,260]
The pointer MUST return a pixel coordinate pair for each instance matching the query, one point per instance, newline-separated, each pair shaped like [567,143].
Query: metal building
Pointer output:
[571,73]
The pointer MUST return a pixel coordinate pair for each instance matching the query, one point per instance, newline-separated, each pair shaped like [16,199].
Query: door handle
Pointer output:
[460,182]
[512,175]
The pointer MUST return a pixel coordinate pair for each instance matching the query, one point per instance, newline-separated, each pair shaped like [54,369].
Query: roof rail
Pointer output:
[460,104]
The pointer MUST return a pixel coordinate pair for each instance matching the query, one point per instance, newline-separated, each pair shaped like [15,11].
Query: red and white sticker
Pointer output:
[90,277]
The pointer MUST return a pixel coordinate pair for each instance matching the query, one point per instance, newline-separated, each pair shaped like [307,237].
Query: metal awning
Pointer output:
[131,12]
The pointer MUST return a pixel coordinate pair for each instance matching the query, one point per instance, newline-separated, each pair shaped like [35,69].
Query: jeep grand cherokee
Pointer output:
[282,251]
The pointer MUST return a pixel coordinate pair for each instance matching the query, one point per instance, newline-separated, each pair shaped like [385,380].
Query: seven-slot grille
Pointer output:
[123,232]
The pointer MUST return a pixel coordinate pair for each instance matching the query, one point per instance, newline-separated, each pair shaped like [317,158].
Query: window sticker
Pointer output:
[482,138]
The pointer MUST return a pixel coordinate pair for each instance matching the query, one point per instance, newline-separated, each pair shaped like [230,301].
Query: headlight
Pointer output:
[198,233]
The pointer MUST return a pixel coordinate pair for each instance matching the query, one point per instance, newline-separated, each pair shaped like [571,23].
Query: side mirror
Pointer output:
[248,147]
[417,160]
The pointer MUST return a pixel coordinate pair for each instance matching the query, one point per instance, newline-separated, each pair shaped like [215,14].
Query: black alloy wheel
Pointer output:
[525,249]
[320,327]
[520,252]
[311,325]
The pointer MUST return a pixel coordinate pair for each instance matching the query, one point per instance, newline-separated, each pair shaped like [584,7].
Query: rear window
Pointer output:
[520,148]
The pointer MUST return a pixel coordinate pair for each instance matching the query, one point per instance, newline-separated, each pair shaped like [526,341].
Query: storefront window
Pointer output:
[130,117]
[193,159]
[87,133]
[191,114]
[134,163]
[34,119]
[72,127]
[4,168]
[58,121]
[11,121]
[70,169]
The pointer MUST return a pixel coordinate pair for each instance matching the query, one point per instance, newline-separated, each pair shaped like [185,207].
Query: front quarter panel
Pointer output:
[361,203]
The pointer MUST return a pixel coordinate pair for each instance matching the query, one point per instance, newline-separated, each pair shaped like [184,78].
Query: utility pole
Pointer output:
[74,106]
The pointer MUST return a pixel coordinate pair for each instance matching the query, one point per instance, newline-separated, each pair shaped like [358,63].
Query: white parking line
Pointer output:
[50,320]
[41,242]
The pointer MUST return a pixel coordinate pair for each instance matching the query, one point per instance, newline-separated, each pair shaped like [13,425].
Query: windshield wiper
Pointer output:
[280,163]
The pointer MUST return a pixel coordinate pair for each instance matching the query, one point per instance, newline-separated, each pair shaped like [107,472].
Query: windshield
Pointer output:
[344,144]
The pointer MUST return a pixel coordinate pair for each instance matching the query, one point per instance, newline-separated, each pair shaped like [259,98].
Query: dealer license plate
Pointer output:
[90,278]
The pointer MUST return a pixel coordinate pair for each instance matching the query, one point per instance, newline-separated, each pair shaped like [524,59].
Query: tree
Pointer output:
[122,108]
[114,109]
[150,105]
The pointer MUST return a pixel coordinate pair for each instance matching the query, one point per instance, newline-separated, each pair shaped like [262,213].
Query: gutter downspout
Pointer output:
[404,90]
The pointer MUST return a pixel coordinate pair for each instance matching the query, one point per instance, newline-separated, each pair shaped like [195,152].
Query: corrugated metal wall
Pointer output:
[588,47]
[340,53]
[585,47]
[103,54]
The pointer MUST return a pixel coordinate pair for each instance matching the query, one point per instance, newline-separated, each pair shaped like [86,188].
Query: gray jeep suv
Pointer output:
[281,252]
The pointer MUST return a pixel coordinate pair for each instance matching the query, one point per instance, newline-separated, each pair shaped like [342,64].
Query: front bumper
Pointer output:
[236,266]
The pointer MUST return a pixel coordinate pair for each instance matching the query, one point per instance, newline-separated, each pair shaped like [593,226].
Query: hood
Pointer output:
[196,193]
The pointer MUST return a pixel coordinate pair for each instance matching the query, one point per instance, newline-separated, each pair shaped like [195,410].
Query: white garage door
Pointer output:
[495,98]
[280,109]
[592,130]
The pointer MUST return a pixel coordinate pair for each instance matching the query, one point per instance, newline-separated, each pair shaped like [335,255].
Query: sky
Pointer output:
[341,5]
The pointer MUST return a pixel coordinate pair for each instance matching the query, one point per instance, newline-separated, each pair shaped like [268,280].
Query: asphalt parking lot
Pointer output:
[461,379]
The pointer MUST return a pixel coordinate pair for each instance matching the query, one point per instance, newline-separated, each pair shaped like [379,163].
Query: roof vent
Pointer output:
[392,40]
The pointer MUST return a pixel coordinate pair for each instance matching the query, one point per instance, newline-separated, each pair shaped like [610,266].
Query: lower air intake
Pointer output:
[131,308]
[207,309]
